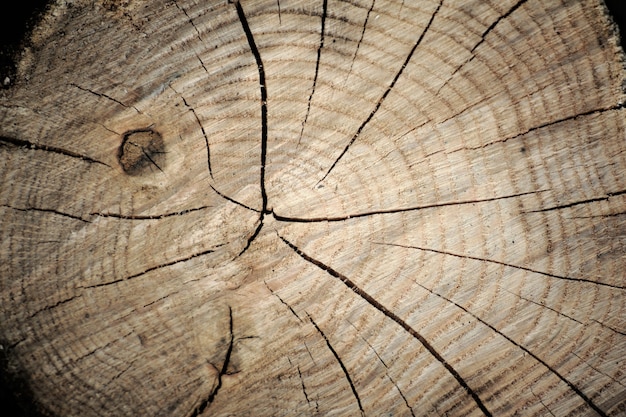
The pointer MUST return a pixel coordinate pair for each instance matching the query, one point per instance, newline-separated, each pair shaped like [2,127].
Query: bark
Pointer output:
[306,208]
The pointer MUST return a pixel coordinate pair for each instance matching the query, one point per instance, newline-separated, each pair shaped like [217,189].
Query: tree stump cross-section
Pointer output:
[327,207]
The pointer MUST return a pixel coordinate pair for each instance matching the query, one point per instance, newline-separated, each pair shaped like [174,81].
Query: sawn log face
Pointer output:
[316,208]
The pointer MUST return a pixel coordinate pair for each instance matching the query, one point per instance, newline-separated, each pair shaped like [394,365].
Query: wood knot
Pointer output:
[142,152]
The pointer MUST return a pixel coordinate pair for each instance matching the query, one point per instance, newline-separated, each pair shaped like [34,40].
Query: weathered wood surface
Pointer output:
[316,208]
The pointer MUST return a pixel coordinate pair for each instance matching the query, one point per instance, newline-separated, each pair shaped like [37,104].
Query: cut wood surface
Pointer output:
[278,207]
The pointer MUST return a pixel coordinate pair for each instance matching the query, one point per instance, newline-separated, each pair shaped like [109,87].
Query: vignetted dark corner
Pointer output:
[14,26]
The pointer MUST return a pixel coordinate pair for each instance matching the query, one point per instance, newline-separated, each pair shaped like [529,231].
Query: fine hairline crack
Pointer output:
[508,265]
[406,402]
[385,94]
[317,67]
[483,36]
[554,371]
[340,362]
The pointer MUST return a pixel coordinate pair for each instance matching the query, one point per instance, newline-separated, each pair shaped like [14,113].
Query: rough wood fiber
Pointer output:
[275,208]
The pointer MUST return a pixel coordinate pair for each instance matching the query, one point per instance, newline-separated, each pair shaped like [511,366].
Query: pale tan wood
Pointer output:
[433,224]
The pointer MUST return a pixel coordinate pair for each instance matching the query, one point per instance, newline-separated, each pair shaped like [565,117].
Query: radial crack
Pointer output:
[201,63]
[149,217]
[343,367]
[385,94]
[87,90]
[196,29]
[38,147]
[283,302]
[253,235]
[617,381]
[610,328]
[207,401]
[543,306]
[310,354]
[164,265]
[538,127]
[482,39]
[493,261]
[206,139]
[358,45]
[263,88]
[232,200]
[599,215]
[577,203]
[122,372]
[190,20]
[395,211]
[541,401]
[317,67]
[526,350]
[58,303]
[306,396]
[42,210]
[386,371]
[105,346]
[391,315]
[160,299]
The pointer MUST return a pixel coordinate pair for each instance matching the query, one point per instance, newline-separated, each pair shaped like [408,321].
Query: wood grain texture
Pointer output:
[275,208]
